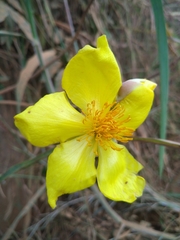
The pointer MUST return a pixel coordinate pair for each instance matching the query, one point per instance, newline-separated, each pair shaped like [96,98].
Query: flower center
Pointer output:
[107,124]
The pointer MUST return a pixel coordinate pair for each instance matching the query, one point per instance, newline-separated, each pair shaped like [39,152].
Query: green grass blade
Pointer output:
[12,34]
[37,44]
[23,165]
[164,74]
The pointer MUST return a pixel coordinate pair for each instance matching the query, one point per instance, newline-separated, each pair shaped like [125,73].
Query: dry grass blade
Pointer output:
[5,10]
[132,225]
[8,89]
[28,71]
[162,200]
[15,103]
[23,212]
[16,5]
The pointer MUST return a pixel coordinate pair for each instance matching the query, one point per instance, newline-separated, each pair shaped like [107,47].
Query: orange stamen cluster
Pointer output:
[107,124]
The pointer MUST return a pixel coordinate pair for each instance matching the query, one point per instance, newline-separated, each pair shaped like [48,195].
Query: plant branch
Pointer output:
[135,226]
[163,142]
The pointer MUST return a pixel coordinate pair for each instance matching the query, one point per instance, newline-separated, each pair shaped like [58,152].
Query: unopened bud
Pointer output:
[128,86]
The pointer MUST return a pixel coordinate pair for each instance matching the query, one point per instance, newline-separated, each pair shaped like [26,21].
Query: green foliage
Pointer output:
[164,74]
[23,165]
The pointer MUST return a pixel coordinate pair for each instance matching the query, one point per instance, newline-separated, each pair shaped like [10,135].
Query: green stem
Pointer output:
[162,142]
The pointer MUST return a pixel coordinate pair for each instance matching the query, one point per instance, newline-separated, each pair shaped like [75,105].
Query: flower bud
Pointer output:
[128,86]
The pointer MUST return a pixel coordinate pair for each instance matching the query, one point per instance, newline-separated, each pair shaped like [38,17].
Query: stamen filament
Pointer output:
[107,124]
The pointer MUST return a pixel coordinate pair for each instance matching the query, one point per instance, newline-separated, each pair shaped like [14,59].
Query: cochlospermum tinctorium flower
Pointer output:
[96,128]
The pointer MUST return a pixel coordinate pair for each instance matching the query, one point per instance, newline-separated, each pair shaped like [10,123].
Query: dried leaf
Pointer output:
[5,11]
[16,5]
[28,71]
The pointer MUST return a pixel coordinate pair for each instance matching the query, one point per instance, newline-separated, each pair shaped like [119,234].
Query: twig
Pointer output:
[6,126]
[8,89]
[162,200]
[119,231]
[134,226]
[158,141]
[51,216]
[68,13]
[68,47]
[173,64]
[23,212]
[11,102]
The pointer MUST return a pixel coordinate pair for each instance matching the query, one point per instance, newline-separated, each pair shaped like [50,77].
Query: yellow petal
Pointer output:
[92,74]
[51,120]
[70,168]
[136,101]
[116,175]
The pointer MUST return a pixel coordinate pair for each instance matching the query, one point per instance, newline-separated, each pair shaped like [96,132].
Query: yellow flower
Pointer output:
[91,81]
